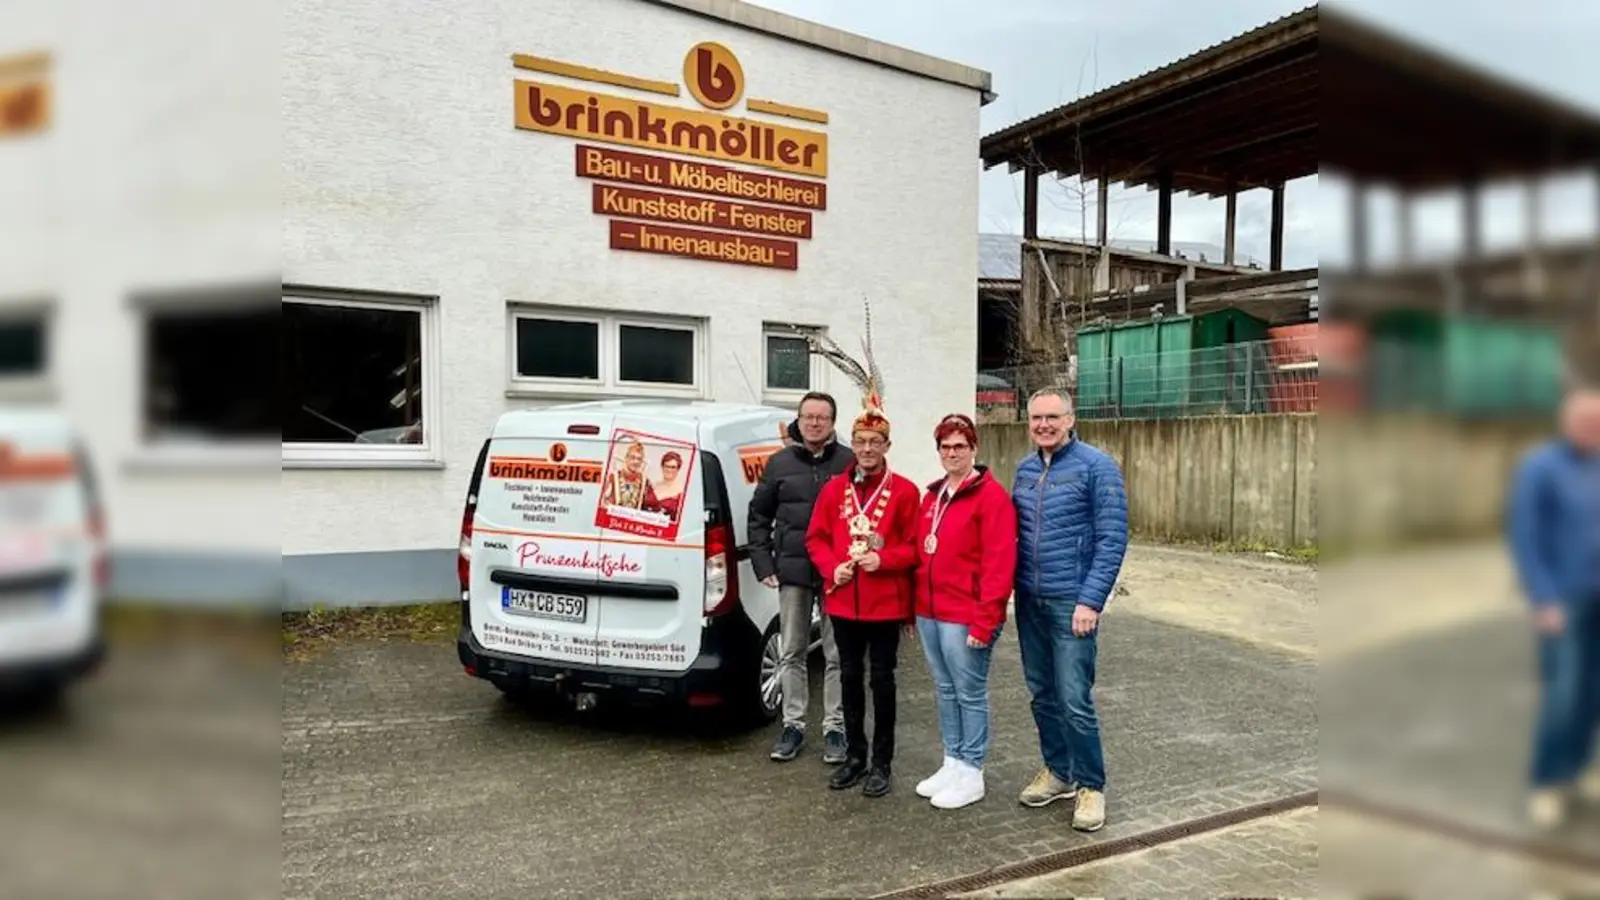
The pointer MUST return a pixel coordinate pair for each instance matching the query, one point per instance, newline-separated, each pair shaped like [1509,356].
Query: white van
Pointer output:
[54,566]
[603,552]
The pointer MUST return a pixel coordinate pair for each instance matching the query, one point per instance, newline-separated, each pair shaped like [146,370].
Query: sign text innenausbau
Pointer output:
[721,229]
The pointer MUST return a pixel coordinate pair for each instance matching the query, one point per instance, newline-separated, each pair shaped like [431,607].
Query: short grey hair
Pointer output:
[1052,392]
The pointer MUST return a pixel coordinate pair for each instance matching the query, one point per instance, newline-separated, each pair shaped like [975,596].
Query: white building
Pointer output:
[139,206]
[454,191]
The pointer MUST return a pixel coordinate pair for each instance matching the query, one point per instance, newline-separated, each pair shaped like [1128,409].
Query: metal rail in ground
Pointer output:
[1095,852]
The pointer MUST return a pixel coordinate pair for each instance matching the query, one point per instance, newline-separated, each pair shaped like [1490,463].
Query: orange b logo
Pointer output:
[714,75]
[558,452]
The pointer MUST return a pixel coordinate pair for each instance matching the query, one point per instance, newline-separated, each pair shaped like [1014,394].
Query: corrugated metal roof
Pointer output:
[1283,23]
[1000,255]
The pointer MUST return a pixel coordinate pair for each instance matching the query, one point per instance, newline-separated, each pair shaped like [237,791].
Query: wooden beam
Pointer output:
[1277,228]
[1030,201]
[1164,215]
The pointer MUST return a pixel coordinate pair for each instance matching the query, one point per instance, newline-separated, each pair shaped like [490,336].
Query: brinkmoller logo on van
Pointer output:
[523,468]
[753,460]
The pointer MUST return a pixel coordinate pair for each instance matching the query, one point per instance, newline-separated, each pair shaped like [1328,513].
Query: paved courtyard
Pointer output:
[160,778]
[404,777]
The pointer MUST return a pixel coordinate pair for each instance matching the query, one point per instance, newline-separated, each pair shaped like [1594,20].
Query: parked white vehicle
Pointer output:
[603,552]
[54,564]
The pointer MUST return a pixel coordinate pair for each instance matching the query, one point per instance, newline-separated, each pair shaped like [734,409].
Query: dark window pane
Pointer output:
[212,373]
[788,364]
[22,347]
[554,348]
[656,355]
[354,375]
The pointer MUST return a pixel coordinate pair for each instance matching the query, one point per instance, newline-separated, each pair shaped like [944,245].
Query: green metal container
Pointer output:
[1464,365]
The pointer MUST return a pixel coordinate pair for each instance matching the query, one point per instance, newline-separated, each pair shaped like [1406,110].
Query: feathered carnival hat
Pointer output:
[866,376]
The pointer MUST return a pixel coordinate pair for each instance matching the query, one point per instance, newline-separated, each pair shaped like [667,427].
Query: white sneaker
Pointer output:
[1589,786]
[934,783]
[964,788]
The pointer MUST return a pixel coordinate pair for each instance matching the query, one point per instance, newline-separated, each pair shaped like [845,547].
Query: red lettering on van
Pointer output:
[608,565]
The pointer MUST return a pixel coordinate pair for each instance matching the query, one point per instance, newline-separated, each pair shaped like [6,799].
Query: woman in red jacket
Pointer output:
[862,539]
[967,554]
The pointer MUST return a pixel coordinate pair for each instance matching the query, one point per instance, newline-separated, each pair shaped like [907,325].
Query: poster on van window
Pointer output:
[643,489]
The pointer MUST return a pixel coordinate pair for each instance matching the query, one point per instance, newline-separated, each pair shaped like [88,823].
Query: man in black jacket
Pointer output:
[780,512]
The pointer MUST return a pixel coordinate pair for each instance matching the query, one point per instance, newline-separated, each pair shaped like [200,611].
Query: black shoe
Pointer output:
[848,775]
[877,782]
[789,744]
[833,748]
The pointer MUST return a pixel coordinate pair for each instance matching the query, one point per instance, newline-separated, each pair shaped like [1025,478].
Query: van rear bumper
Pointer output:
[721,645]
[53,672]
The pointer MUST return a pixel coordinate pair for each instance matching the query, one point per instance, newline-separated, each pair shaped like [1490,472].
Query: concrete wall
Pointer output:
[1298,480]
[1237,478]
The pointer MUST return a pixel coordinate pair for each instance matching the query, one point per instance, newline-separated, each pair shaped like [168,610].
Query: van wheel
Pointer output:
[758,693]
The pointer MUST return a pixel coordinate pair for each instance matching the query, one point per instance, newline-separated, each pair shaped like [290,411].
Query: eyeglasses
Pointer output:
[812,418]
[954,448]
[870,443]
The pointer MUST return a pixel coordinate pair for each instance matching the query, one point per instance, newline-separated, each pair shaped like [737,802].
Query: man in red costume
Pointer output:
[862,539]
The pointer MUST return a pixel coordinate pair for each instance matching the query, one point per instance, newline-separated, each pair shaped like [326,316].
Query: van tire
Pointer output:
[746,690]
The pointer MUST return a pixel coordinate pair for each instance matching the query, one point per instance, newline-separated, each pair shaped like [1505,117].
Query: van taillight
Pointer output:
[464,554]
[722,571]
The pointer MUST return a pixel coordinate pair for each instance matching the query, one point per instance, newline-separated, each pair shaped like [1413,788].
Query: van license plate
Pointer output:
[544,605]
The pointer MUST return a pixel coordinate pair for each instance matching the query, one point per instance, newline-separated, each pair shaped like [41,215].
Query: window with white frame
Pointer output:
[789,368]
[361,383]
[210,370]
[556,350]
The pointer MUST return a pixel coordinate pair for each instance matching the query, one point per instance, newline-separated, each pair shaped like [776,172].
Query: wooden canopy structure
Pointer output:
[1239,115]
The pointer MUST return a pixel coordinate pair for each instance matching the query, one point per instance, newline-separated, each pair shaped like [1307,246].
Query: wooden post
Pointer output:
[1406,206]
[1030,201]
[1472,218]
[1103,211]
[1164,215]
[1359,248]
[1231,233]
[1277,228]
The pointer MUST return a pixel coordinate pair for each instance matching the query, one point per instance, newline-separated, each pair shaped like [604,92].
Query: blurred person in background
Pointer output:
[1554,535]
[966,557]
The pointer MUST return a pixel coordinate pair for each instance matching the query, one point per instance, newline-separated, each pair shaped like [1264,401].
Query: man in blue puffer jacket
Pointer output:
[1553,528]
[1072,533]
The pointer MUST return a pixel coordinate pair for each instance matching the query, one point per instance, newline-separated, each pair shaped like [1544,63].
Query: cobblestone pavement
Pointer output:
[402,777]
[1366,857]
[159,778]
[1271,857]
[1439,724]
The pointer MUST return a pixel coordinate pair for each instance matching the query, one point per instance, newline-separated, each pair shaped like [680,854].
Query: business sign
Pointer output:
[24,94]
[660,204]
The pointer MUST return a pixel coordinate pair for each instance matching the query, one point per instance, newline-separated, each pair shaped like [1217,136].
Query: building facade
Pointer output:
[500,205]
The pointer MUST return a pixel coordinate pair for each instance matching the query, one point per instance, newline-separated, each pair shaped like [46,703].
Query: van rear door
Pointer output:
[652,518]
[51,559]
[537,557]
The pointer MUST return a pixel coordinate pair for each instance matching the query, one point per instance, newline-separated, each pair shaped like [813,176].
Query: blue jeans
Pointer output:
[961,684]
[1059,669]
[1569,700]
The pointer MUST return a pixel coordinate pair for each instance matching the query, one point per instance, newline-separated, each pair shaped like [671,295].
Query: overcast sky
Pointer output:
[1043,53]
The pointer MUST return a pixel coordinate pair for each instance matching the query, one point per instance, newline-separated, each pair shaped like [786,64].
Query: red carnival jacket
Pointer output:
[883,595]
[967,578]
